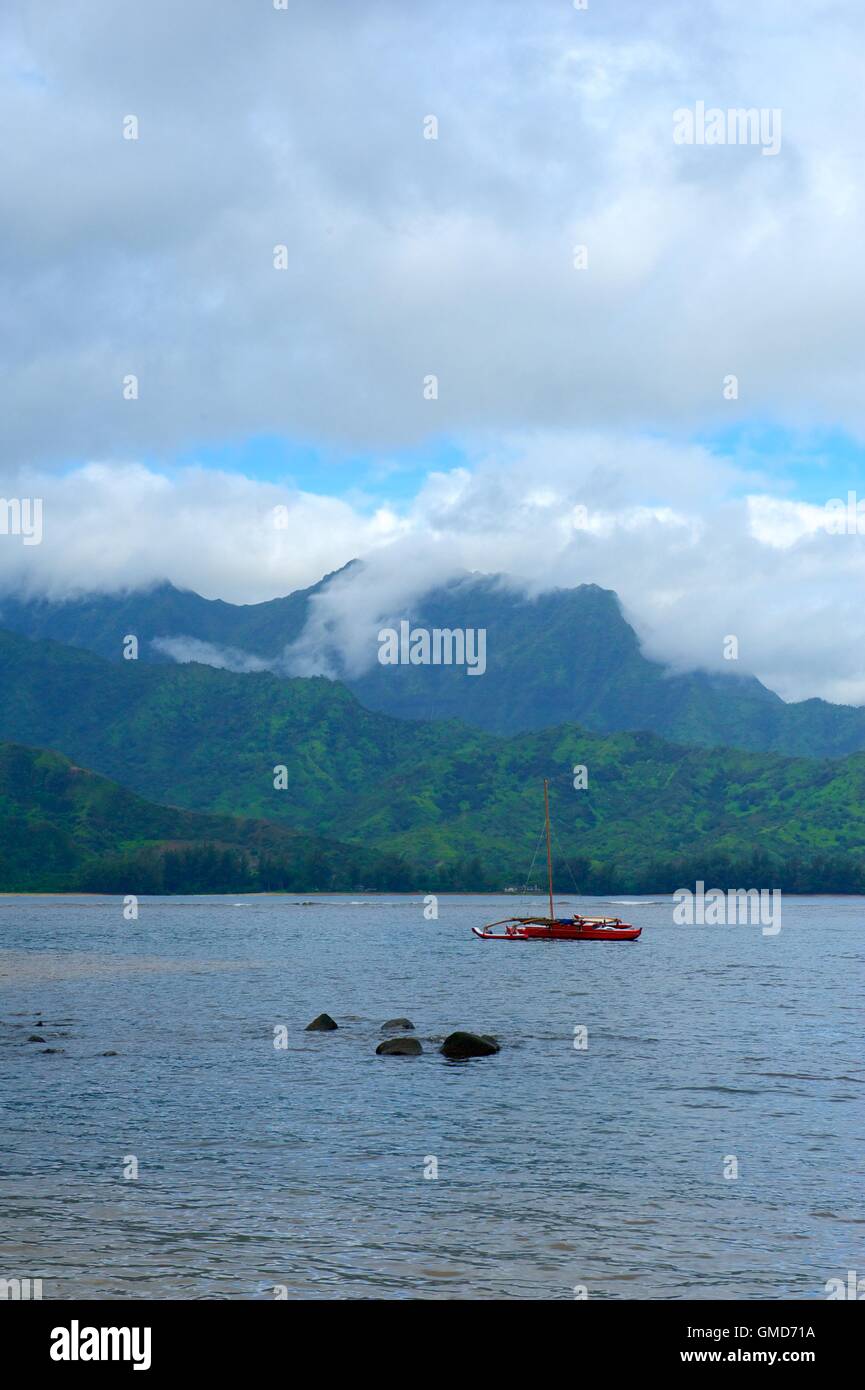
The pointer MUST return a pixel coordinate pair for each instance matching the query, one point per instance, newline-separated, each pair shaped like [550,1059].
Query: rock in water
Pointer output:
[398,1025]
[399,1047]
[468,1045]
[323,1024]
[34,1037]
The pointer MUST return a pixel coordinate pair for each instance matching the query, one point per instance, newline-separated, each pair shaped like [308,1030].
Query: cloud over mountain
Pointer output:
[704,555]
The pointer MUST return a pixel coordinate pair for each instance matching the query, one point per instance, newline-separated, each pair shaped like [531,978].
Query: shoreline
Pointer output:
[395,893]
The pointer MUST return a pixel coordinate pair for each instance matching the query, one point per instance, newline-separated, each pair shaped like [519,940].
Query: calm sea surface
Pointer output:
[303,1166]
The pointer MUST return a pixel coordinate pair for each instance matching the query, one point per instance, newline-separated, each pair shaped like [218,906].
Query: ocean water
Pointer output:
[304,1168]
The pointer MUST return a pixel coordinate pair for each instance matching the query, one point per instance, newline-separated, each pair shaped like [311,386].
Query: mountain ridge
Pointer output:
[562,656]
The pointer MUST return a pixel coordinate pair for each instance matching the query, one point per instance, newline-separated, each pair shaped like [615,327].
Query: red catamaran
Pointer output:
[553,928]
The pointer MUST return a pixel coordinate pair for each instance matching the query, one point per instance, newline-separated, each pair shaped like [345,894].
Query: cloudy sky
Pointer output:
[581,430]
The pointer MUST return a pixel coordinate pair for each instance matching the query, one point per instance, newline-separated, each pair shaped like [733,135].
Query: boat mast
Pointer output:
[549,850]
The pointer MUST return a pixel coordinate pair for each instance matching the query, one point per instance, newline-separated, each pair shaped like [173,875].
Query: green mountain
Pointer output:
[99,622]
[567,656]
[442,795]
[64,828]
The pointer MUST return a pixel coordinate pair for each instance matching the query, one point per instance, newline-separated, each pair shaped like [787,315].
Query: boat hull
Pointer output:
[563,932]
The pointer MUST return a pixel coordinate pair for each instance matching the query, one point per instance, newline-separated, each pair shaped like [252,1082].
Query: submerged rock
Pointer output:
[323,1024]
[399,1047]
[51,1049]
[35,1037]
[469,1045]
[398,1025]
[110,1054]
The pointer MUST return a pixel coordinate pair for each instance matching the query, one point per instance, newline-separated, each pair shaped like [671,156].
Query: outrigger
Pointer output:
[553,928]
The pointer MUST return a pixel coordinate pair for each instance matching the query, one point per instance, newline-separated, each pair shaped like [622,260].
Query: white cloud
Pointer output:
[409,256]
[186,649]
[125,526]
[780,522]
